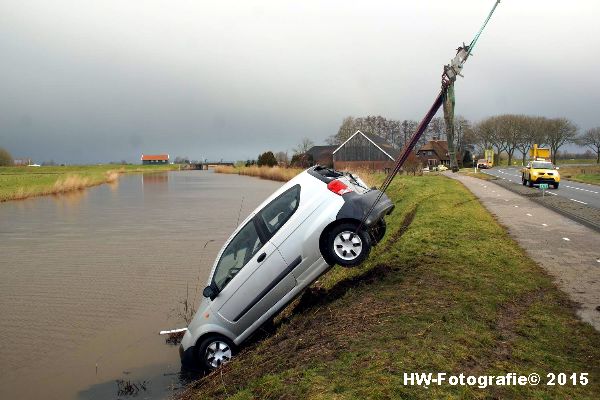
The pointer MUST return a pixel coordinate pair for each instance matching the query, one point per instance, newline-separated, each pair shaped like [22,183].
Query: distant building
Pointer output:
[365,151]
[321,155]
[434,153]
[153,159]
[21,162]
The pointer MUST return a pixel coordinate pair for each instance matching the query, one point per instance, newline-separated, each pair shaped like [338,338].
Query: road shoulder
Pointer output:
[567,250]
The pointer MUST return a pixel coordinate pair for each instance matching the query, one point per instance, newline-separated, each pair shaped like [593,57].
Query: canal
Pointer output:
[88,279]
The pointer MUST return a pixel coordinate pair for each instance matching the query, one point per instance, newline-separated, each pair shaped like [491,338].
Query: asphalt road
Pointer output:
[581,193]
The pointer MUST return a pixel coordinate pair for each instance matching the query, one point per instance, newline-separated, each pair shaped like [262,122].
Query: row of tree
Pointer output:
[506,134]
[509,132]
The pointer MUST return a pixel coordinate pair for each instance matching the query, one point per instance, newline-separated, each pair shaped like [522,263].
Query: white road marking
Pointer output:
[577,201]
[516,206]
[544,224]
[529,215]
[567,239]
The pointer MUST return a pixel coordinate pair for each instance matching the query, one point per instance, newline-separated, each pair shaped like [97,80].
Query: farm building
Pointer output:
[153,159]
[434,153]
[365,151]
[321,155]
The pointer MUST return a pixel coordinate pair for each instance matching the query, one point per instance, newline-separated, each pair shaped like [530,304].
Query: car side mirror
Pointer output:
[209,292]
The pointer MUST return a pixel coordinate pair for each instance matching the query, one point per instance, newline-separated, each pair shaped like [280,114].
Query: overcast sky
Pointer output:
[90,81]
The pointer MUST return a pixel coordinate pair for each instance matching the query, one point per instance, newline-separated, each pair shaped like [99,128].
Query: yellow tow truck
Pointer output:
[540,169]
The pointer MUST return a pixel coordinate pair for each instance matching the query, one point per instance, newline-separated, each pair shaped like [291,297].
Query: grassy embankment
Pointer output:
[446,291]
[23,182]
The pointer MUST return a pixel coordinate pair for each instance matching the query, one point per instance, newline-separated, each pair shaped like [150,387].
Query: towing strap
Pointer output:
[446,97]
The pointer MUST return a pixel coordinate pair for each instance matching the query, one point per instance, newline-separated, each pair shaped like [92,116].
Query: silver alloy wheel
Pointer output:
[347,245]
[217,353]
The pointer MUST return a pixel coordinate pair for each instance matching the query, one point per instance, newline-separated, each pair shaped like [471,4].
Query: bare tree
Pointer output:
[591,139]
[346,130]
[303,146]
[6,158]
[282,158]
[513,129]
[407,128]
[560,131]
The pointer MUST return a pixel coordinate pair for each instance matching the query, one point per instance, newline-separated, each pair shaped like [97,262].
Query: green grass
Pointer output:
[23,182]
[446,291]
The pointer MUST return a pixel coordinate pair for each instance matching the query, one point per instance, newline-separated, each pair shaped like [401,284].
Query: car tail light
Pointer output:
[338,187]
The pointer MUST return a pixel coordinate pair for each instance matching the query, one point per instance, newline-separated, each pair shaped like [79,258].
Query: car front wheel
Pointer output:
[347,247]
[215,351]
[523,180]
[555,185]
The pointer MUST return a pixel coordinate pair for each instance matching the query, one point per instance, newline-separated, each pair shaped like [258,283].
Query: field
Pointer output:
[585,174]
[446,291]
[23,182]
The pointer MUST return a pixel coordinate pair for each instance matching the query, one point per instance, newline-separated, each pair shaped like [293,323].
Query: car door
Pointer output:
[267,278]
[298,240]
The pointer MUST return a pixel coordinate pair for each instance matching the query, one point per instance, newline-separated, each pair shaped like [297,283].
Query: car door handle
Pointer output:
[262,257]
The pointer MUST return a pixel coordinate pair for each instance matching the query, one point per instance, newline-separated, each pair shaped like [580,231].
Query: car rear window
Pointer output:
[276,213]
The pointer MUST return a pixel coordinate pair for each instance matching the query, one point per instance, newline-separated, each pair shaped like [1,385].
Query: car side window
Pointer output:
[238,252]
[276,213]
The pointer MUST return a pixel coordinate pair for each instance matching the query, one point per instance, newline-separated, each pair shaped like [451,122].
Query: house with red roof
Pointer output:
[154,159]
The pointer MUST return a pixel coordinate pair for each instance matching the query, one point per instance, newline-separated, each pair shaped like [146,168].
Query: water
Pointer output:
[88,279]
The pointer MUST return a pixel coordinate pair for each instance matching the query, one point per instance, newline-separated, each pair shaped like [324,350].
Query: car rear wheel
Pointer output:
[530,183]
[347,247]
[214,351]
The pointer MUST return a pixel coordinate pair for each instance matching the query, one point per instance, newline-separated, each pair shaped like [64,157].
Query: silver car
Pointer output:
[291,239]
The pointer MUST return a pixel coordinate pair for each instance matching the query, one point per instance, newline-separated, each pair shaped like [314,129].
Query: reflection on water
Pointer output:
[87,279]
[155,178]
[69,199]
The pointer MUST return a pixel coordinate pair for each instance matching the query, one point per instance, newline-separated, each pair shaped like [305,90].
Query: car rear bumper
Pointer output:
[356,206]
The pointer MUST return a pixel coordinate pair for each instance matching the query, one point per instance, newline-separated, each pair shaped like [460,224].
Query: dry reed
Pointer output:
[271,173]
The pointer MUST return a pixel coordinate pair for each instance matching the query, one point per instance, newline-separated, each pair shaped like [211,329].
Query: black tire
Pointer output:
[378,232]
[555,185]
[208,359]
[530,183]
[346,248]
[523,180]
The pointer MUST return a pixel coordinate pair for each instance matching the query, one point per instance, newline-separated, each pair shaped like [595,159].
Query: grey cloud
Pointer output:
[106,80]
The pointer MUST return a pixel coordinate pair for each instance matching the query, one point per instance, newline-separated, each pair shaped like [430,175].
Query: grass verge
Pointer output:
[479,175]
[446,291]
[22,182]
